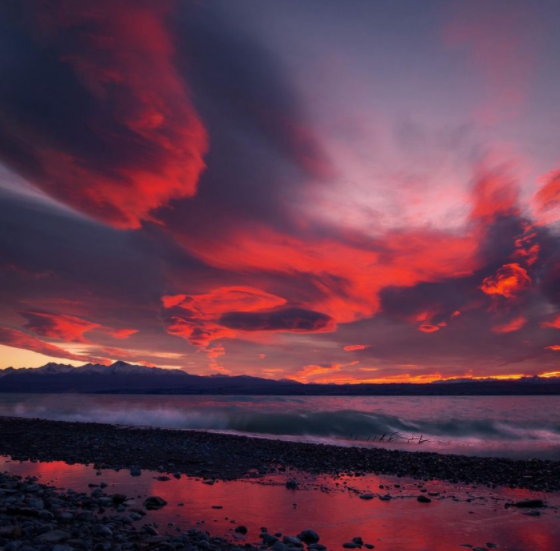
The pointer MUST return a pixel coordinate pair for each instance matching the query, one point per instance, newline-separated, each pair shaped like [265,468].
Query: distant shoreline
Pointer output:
[392,390]
[125,378]
[221,456]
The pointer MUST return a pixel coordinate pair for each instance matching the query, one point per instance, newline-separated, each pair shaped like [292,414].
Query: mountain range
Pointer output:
[125,378]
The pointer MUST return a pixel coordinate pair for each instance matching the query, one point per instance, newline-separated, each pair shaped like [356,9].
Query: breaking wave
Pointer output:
[344,426]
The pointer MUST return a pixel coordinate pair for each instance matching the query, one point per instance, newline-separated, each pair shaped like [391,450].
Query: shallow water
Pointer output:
[459,515]
[514,426]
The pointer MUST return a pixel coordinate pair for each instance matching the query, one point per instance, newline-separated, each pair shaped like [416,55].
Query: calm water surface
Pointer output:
[516,426]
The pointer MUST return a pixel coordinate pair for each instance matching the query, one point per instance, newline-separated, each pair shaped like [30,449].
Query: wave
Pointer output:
[341,424]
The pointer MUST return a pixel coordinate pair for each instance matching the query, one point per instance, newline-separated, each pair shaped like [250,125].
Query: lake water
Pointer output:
[513,426]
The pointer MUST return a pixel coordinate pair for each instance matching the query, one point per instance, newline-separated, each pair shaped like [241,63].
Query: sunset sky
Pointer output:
[323,190]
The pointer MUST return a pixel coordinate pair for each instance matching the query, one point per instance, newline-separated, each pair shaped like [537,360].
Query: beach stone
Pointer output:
[45,515]
[293,541]
[292,484]
[36,503]
[135,471]
[54,536]
[309,536]
[241,529]
[366,496]
[350,545]
[153,503]
[357,540]
[105,531]
[269,539]
[530,503]
[423,499]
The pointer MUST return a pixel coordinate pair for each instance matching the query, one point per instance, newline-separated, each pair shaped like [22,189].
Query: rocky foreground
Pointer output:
[37,517]
[220,456]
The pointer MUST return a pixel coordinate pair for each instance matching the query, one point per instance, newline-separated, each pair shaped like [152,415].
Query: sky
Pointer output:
[323,191]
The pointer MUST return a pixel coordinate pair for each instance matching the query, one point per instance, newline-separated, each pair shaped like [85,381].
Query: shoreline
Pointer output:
[228,457]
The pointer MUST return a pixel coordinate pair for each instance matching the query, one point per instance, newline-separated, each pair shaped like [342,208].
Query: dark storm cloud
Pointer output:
[236,78]
[287,319]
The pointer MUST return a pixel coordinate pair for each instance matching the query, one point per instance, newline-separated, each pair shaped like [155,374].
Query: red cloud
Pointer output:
[224,299]
[547,199]
[18,339]
[310,371]
[68,328]
[428,328]
[555,347]
[511,326]
[552,323]
[352,347]
[197,316]
[122,333]
[229,311]
[510,280]
[140,118]
[493,194]
[58,326]
[347,276]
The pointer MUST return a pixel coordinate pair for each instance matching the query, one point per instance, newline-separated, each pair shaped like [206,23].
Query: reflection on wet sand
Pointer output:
[457,515]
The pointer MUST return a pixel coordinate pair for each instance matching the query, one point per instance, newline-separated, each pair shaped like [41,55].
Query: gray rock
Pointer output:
[529,504]
[293,541]
[292,484]
[105,531]
[45,515]
[36,502]
[269,539]
[154,503]
[309,536]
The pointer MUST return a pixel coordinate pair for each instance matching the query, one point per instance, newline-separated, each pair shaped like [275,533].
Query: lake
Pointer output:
[512,426]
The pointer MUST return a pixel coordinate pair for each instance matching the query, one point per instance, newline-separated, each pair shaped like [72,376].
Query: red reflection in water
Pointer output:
[331,507]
